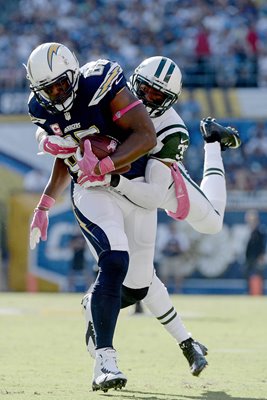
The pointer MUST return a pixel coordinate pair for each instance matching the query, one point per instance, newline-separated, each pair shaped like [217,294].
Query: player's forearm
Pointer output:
[139,143]
[151,193]
[59,179]
[137,124]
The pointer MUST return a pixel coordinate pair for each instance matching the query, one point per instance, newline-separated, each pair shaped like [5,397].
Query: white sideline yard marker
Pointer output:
[11,311]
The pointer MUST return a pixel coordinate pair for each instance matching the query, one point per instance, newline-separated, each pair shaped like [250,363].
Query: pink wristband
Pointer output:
[106,165]
[46,201]
[120,113]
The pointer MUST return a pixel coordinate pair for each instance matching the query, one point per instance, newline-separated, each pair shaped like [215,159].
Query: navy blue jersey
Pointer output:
[99,83]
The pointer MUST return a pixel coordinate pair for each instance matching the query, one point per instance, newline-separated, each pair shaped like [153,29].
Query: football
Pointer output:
[102,146]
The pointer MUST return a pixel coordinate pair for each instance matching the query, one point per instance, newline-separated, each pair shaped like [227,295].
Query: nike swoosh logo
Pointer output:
[184,140]
[118,80]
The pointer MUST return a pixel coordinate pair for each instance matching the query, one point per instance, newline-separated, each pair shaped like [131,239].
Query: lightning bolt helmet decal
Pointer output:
[53,49]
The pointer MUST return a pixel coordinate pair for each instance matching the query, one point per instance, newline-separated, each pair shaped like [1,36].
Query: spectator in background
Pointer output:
[203,53]
[138,308]
[256,146]
[79,274]
[255,253]
[173,245]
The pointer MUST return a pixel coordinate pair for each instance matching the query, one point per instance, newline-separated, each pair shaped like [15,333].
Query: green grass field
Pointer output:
[43,354]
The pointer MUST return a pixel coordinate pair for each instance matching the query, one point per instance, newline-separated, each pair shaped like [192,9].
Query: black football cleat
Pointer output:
[212,131]
[195,353]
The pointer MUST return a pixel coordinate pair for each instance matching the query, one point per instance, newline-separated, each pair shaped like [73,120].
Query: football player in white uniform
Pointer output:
[68,103]
[157,81]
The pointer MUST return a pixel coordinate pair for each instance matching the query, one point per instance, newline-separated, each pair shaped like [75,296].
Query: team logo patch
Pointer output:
[112,145]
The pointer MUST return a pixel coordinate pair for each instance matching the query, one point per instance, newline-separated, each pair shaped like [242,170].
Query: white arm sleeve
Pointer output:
[151,193]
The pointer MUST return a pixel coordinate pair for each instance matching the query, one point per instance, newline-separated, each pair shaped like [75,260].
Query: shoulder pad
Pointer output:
[106,77]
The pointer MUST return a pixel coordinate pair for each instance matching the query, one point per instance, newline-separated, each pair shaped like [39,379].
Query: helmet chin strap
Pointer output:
[62,107]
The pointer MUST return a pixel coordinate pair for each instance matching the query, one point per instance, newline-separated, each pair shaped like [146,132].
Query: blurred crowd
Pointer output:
[215,43]
[248,170]
[246,167]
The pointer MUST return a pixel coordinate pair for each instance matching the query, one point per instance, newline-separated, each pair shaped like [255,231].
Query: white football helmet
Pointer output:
[162,74]
[52,63]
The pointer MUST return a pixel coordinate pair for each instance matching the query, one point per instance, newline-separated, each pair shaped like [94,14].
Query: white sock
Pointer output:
[213,183]
[159,304]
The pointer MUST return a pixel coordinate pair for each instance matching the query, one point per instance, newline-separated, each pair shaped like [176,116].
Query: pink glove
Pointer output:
[106,165]
[39,223]
[58,146]
[88,181]
[88,162]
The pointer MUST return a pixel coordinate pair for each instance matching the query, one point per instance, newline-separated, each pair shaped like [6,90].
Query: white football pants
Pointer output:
[111,222]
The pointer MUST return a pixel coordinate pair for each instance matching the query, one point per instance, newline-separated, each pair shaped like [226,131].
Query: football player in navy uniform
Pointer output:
[68,103]
[157,81]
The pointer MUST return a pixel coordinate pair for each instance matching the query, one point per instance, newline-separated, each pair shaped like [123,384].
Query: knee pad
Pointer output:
[131,296]
[113,266]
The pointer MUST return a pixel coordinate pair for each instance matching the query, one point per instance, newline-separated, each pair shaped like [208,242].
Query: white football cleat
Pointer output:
[90,332]
[106,373]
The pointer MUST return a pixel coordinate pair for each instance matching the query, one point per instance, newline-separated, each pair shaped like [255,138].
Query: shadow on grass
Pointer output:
[207,395]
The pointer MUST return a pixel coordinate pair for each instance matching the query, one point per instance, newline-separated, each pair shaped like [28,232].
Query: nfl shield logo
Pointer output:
[67,116]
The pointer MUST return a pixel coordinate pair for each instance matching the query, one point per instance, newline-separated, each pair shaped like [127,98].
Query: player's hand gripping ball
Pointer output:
[102,146]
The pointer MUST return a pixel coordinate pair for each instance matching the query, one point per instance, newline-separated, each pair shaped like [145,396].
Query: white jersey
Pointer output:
[172,137]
